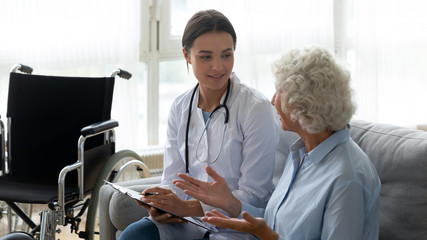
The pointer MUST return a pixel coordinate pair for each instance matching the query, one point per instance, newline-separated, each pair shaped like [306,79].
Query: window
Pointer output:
[383,41]
[387,52]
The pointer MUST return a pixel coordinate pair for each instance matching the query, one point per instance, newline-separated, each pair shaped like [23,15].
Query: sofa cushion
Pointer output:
[400,157]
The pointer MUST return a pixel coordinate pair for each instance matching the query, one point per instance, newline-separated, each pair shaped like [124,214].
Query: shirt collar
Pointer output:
[319,152]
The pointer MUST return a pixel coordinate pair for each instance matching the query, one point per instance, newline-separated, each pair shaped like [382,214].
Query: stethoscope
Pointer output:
[206,125]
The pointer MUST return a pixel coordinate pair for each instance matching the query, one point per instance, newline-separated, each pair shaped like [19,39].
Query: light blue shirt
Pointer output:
[206,115]
[333,196]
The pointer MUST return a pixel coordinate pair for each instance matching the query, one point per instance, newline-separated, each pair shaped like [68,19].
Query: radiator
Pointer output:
[422,127]
[153,157]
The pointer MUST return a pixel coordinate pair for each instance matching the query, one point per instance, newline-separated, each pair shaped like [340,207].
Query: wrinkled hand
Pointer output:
[216,193]
[249,224]
[165,199]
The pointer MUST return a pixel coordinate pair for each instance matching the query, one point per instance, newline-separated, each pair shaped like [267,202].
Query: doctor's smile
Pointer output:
[216,76]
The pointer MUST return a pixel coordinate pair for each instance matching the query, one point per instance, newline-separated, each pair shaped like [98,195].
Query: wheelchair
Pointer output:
[57,149]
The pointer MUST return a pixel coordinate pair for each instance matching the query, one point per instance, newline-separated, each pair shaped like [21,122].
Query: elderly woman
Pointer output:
[329,188]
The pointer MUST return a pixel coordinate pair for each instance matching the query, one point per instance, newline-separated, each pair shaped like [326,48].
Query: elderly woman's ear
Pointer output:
[273,98]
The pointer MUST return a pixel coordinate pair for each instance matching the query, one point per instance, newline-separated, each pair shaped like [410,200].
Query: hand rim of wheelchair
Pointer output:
[106,174]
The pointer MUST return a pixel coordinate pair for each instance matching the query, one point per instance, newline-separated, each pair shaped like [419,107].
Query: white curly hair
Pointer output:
[315,89]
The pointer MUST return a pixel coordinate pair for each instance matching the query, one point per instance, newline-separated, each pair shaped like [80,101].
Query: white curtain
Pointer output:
[390,67]
[74,38]
[386,45]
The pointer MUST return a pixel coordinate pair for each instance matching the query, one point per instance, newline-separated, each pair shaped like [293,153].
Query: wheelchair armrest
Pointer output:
[99,127]
[88,131]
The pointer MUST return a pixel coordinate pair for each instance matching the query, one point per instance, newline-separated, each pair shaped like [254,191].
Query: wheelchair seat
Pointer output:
[23,191]
[60,147]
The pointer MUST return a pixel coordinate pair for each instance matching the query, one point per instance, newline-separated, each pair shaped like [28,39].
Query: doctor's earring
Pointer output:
[188,63]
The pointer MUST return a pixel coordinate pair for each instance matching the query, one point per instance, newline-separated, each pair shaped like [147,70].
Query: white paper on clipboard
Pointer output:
[136,195]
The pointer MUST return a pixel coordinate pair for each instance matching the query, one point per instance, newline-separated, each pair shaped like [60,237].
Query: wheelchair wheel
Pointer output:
[123,165]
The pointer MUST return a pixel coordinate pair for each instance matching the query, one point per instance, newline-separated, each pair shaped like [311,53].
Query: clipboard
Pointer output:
[136,195]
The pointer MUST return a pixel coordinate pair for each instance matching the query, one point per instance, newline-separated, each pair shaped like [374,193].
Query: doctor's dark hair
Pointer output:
[204,22]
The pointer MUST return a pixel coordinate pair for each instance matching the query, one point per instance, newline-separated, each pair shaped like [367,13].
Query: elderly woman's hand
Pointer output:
[249,224]
[216,193]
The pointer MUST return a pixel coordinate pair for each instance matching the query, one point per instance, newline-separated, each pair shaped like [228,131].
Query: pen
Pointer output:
[150,193]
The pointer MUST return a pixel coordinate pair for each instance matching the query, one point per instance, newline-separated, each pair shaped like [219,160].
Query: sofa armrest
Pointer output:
[400,157]
[141,182]
[117,211]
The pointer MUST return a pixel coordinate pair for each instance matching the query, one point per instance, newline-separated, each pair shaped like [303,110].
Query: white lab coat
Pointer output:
[247,156]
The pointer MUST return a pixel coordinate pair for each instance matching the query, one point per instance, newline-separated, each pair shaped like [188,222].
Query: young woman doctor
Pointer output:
[220,123]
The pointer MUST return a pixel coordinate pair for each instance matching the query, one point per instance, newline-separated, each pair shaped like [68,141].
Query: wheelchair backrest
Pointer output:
[46,114]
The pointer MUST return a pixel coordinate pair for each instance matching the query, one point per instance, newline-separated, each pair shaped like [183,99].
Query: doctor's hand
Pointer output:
[216,193]
[169,201]
[249,224]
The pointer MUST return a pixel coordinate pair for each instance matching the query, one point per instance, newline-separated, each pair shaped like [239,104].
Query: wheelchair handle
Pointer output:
[23,68]
[121,73]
